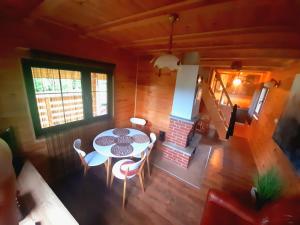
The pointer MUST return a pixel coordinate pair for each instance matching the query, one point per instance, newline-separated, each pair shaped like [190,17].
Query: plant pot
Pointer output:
[256,199]
[253,193]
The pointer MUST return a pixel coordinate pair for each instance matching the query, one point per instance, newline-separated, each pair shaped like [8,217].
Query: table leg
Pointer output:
[108,171]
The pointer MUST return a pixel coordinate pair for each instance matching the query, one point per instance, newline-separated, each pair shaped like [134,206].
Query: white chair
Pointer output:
[91,159]
[137,122]
[148,151]
[127,169]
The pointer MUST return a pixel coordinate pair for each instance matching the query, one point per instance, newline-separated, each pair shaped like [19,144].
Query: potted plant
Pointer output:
[268,187]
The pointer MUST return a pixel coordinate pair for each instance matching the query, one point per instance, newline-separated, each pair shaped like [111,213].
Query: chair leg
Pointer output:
[111,180]
[108,170]
[85,168]
[148,166]
[141,182]
[124,194]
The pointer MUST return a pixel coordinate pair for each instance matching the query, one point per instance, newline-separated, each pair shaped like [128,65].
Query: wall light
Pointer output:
[272,83]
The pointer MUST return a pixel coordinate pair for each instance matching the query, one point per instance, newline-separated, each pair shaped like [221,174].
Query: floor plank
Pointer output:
[166,200]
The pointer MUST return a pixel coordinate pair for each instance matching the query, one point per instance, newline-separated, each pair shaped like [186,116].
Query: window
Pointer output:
[260,101]
[59,96]
[99,93]
[66,95]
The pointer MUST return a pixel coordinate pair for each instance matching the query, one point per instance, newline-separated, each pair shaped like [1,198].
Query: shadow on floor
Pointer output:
[83,196]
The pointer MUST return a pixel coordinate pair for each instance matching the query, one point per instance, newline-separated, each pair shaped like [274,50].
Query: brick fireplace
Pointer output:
[179,146]
[180,142]
[179,131]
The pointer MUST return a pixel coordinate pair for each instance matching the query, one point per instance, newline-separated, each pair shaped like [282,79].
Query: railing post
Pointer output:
[221,96]
[230,129]
[215,85]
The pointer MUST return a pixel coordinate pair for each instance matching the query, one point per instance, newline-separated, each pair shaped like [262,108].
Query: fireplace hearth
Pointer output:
[181,141]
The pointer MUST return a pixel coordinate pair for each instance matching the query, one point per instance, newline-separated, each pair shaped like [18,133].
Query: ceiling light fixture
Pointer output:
[237,81]
[168,60]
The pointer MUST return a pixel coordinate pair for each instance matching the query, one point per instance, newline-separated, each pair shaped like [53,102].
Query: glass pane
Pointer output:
[261,99]
[59,100]
[73,107]
[70,81]
[99,93]
[72,95]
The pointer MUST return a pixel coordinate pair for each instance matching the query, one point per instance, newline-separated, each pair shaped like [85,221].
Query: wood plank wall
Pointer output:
[265,151]
[154,103]
[14,110]
[154,95]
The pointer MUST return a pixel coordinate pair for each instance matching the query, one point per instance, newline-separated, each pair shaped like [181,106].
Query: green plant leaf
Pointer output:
[269,185]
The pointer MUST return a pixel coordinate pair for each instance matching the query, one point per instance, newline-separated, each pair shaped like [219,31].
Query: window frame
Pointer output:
[256,114]
[85,67]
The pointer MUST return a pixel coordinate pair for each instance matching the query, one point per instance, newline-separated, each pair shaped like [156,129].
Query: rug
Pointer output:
[195,171]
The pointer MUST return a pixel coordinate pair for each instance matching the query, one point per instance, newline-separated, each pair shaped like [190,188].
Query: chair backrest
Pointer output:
[153,140]
[133,166]
[77,146]
[153,137]
[138,121]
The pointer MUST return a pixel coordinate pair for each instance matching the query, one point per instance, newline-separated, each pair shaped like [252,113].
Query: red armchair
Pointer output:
[223,209]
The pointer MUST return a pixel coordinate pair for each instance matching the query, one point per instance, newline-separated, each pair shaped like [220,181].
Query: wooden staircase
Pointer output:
[219,106]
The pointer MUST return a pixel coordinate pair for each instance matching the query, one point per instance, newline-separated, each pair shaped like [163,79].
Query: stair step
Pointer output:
[215,112]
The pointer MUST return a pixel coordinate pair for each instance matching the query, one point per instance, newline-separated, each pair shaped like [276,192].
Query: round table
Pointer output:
[120,143]
[107,141]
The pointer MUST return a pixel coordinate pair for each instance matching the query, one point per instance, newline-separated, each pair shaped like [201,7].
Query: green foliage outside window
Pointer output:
[47,85]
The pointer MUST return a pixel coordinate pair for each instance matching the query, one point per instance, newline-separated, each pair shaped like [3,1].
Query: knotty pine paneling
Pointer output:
[265,151]
[154,95]
[14,109]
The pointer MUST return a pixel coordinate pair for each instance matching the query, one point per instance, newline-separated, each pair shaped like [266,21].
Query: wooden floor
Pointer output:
[166,200]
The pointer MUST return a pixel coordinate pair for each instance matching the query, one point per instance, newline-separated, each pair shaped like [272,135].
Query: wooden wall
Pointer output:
[265,151]
[154,95]
[14,110]
[154,103]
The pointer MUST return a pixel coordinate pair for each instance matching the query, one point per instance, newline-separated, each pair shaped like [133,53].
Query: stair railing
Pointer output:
[222,99]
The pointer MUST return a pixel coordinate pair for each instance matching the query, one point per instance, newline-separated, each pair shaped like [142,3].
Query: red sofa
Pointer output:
[223,209]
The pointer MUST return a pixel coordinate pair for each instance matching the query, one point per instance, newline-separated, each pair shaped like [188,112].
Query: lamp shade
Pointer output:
[167,61]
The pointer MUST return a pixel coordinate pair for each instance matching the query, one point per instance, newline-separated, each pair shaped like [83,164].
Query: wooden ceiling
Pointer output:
[263,34]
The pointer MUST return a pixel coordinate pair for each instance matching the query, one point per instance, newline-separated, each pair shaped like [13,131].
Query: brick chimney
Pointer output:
[183,117]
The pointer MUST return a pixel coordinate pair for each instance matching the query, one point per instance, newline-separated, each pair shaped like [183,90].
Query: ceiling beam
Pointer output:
[209,34]
[246,64]
[258,47]
[233,51]
[247,68]
[14,10]
[157,12]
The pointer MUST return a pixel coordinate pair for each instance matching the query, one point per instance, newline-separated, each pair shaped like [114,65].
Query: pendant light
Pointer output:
[237,81]
[168,60]
[237,65]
